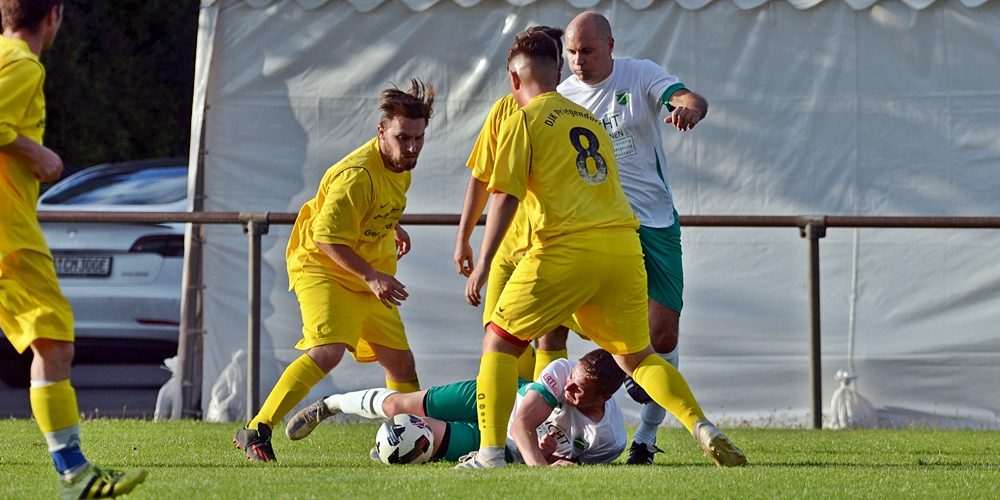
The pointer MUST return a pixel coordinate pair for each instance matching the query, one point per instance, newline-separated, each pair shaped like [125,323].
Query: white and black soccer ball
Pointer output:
[405,439]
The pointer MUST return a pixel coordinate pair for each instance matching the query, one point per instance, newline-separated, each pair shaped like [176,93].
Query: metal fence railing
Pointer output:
[255,225]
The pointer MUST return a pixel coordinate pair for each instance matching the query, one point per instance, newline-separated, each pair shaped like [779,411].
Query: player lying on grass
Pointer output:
[565,417]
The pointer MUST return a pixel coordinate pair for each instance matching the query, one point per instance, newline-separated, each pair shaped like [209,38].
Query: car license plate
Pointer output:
[74,266]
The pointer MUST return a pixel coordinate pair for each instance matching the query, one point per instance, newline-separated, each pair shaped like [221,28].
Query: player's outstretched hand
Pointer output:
[562,463]
[402,242]
[463,258]
[388,289]
[683,118]
[474,285]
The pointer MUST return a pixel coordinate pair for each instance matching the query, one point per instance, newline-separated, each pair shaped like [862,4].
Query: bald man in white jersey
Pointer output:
[627,95]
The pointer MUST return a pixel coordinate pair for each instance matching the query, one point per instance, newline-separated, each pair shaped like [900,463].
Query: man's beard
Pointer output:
[404,164]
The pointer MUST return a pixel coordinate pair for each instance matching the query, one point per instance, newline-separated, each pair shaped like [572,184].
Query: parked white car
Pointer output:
[123,280]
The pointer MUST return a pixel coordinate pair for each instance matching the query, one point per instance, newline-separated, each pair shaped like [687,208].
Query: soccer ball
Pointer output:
[406,439]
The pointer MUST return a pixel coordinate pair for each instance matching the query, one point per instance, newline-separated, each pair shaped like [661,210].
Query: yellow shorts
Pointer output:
[31,304]
[598,277]
[500,271]
[333,314]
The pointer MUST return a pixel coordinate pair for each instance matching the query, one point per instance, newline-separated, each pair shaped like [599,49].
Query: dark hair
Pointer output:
[553,33]
[600,366]
[535,45]
[25,14]
[415,103]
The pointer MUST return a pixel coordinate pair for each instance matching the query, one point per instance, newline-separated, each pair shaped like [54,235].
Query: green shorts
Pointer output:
[456,405]
[661,252]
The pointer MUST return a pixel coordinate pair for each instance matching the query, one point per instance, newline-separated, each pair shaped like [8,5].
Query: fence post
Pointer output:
[191,332]
[813,228]
[254,226]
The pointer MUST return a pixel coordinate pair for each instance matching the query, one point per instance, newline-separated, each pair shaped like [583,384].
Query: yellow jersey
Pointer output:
[22,112]
[556,157]
[481,160]
[358,204]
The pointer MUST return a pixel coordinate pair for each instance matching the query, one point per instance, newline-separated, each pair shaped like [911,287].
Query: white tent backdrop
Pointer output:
[817,107]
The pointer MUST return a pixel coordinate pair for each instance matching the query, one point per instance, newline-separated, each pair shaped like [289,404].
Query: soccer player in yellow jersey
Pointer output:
[551,346]
[555,158]
[342,257]
[627,95]
[33,311]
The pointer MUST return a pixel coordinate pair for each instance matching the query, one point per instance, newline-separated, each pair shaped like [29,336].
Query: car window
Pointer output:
[148,186]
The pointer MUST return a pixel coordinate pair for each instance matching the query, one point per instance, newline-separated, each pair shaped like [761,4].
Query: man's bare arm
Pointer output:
[530,414]
[475,200]
[502,211]
[389,290]
[45,165]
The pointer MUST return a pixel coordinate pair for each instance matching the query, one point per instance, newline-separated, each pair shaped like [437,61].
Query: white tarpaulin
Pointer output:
[817,107]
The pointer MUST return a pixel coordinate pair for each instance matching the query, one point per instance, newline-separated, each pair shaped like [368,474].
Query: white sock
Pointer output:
[492,454]
[652,413]
[366,403]
[672,357]
[63,438]
[652,416]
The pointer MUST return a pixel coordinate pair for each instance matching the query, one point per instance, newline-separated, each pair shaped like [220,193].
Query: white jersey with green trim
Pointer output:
[628,102]
[578,437]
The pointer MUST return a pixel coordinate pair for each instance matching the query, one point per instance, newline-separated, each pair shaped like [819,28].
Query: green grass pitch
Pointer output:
[195,460]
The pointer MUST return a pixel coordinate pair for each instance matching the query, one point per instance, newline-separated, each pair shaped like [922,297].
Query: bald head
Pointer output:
[588,46]
[589,22]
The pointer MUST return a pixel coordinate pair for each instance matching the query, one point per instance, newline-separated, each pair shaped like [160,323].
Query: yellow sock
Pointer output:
[543,358]
[411,386]
[54,406]
[667,387]
[292,387]
[526,364]
[496,390]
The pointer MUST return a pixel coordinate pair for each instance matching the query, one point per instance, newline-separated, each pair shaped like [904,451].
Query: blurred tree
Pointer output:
[119,81]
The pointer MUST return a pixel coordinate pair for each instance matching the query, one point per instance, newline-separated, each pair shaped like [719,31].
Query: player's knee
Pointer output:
[405,368]
[327,356]
[664,344]
[53,354]
[663,337]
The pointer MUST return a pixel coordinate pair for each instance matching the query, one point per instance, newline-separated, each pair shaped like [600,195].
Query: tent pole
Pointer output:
[190,342]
